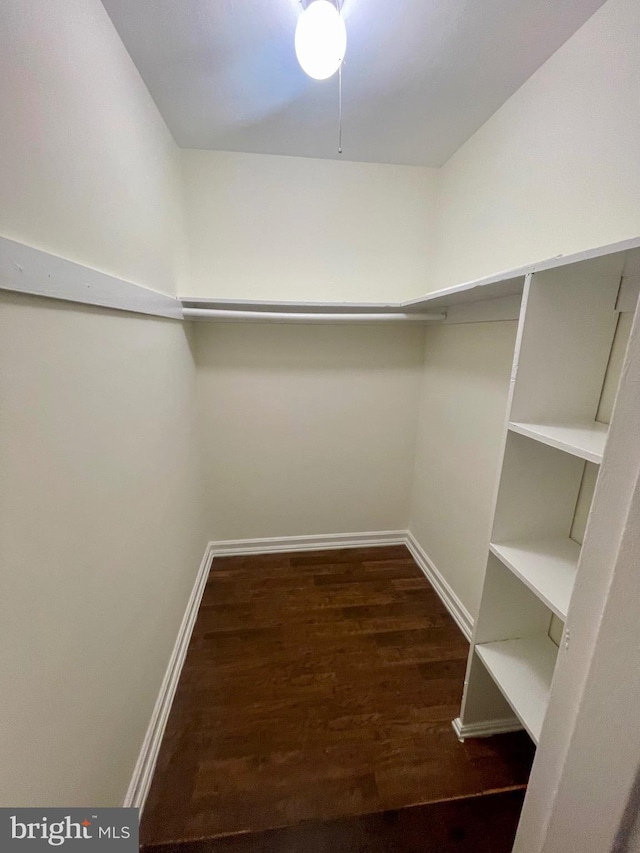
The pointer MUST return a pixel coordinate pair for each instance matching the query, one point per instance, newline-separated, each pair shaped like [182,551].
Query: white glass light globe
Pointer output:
[321,39]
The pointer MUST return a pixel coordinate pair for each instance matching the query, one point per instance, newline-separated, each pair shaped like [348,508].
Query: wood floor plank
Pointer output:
[320,686]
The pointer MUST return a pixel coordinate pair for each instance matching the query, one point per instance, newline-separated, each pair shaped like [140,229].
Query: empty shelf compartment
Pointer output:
[523,669]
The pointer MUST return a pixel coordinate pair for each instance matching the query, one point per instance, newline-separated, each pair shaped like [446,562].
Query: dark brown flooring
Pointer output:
[321,686]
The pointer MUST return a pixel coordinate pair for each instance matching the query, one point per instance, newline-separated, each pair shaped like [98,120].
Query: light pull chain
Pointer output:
[340,110]
[339,8]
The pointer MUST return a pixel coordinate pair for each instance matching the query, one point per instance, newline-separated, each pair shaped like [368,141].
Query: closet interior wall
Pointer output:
[307,429]
[298,229]
[101,530]
[555,170]
[101,537]
[463,400]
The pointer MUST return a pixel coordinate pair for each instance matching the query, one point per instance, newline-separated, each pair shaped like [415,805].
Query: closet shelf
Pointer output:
[585,440]
[547,566]
[523,670]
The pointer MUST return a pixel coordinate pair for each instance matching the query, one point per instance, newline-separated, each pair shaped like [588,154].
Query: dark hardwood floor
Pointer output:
[314,710]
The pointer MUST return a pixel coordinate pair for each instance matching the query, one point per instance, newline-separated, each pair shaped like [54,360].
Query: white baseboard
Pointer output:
[486,729]
[323,541]
[456,608]
[143,772]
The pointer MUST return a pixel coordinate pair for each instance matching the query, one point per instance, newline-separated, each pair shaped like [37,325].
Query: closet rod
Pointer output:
[291,317]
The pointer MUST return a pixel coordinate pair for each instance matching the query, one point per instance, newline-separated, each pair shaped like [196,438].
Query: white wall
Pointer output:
[307,429]
[556,169]
[100,541]
[88,169]
[293,228]
[100,533]
[463,406]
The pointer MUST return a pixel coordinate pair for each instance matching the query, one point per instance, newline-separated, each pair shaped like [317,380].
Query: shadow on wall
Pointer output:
[308,346]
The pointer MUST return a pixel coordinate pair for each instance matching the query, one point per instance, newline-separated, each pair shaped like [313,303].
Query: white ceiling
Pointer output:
[420,76]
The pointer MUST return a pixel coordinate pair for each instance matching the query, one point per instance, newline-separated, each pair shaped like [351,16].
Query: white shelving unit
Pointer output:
[567,349]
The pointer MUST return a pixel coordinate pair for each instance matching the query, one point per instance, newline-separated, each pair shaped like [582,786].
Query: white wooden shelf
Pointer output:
[523,669]
[548,567]
[24,269]
[510,282]
[494,287]
[584,440]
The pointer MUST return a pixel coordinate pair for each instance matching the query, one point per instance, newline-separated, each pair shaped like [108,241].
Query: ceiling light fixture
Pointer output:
[321,39]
